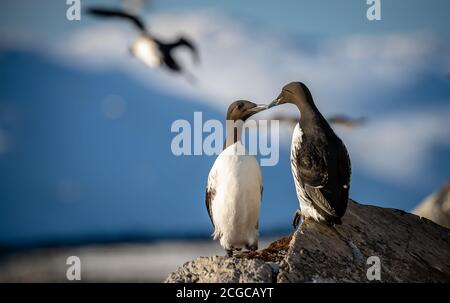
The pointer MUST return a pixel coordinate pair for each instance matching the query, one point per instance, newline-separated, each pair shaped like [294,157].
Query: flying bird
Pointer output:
[319,161]
[151,51]
[234,189]
[338,120]
[345,121]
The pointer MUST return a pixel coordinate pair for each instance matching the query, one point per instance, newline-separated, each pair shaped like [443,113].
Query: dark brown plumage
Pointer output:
[319,160]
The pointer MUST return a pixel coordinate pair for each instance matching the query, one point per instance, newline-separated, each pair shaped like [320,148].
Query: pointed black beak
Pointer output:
[257,109]
[275,102]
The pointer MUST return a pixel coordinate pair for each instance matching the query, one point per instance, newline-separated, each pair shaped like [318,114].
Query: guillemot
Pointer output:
[319,160]
[151,51]
[234,189]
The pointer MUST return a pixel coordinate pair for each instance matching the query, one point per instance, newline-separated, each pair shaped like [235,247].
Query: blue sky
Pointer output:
[68,169]
[321,17]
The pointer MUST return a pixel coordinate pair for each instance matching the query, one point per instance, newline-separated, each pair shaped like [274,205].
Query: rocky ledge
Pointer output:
[372,244]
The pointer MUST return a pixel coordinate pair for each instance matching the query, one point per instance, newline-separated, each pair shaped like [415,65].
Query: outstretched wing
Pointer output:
[182,41]
[116,13]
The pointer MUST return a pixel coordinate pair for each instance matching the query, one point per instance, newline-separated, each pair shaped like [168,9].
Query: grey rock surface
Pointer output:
[409,248]
[436,207]
[223,269]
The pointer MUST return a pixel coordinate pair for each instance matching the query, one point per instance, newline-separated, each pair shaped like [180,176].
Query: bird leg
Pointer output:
[297,216]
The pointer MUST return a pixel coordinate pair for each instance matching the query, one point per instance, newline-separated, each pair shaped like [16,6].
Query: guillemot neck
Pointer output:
[307,108]
[234,132]
[309,113]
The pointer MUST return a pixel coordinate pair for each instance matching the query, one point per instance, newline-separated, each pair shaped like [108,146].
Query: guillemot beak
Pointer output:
[257,109]
[274,102]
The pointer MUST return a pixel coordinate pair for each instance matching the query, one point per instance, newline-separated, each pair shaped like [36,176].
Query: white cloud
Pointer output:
[102,46]
[239,62]
[397,147]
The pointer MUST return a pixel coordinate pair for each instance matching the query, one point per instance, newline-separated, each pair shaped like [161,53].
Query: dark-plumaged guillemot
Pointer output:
[319,160]
[151,51]
[234,189]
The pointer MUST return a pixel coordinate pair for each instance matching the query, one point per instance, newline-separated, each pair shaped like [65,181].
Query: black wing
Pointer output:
[257,222]
[208,200]
[311,162]
[324,175]
[187,43]
[344,170]
[116,13]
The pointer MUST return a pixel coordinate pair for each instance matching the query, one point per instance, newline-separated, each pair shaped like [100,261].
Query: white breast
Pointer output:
[236,180]
[296,145]
[147,51]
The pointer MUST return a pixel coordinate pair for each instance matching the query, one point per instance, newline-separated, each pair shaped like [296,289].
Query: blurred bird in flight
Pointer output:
[150,50]
[339,120]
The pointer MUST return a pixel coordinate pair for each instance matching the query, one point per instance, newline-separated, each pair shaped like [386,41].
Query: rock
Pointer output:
[223,269]
[436,207]
[410,249]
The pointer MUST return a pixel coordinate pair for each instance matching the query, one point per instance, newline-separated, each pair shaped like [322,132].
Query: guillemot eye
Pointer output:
[240,105]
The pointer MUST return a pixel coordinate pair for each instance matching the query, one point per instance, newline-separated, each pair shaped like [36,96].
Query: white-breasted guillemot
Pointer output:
[151,51]
[319,160]
[234,190]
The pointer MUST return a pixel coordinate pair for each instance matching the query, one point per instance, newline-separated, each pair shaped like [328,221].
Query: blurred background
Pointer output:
[86,167]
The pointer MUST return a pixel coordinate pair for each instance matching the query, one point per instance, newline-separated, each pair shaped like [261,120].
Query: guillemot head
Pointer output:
[243,109]
[294,92]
